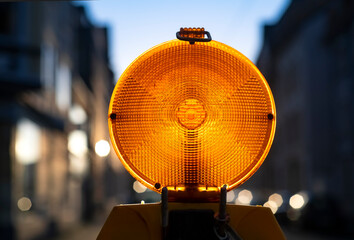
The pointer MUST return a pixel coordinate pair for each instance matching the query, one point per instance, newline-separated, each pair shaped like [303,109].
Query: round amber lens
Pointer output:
[192,115]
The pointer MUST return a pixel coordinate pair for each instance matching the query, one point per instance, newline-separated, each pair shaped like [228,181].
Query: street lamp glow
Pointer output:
[102,148]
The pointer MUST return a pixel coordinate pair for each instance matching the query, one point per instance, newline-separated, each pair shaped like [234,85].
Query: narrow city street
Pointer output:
[91,231]
[88,231]
[193,103]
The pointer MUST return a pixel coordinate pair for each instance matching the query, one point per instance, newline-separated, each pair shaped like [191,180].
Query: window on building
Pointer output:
[63,87]
[47,65]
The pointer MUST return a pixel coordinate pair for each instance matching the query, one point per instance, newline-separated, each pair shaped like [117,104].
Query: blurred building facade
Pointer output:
[307,58]
[55,86]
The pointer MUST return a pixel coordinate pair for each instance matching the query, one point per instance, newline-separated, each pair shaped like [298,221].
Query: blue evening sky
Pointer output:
[136,26]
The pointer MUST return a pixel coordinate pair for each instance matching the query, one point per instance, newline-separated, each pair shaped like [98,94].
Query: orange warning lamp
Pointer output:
[192,116]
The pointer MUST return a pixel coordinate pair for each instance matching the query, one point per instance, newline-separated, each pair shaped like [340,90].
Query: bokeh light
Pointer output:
[272,205]
[24,204]
[277,198]
[244,197]
[297,201]
[77,143]
[138,187]
[102,148]
[305,196]
[77,115]
[230,196]
[27,147]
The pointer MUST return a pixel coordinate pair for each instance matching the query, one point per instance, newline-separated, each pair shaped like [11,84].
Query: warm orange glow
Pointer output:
[192,116]
[191,113]
[192,32]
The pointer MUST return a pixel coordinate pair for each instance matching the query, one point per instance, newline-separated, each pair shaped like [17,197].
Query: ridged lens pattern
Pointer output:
[192,115]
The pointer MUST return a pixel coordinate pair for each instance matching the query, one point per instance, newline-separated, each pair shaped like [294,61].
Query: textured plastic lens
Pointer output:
[192,115]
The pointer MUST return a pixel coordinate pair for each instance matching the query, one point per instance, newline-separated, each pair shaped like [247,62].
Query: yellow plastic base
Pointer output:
[143,221]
